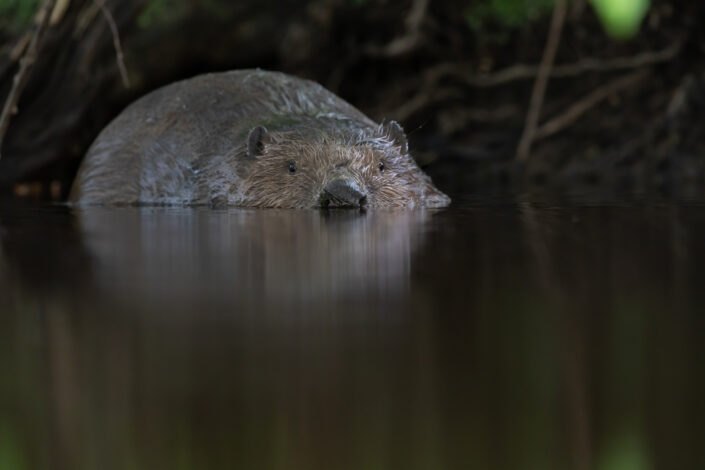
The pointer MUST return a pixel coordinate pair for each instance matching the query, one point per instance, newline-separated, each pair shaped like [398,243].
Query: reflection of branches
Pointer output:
[63,379]
[22,76]
[572,341]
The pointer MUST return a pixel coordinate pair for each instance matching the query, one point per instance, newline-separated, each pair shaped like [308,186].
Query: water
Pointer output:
[496,334]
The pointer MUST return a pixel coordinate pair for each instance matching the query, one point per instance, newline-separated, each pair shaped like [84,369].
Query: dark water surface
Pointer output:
[491,335]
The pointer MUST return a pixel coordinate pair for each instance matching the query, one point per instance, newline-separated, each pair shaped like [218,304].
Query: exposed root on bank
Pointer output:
[539,91]
[462,72]
[26,63]
[407,42]
[426,68]
[119,56]
[585,104]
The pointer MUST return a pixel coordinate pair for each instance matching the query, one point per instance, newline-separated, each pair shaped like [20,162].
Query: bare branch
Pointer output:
[527,72]
[544,73]
[422,100]
[58,12]
[26,63]
[580,107]
[407,42]
[119,56]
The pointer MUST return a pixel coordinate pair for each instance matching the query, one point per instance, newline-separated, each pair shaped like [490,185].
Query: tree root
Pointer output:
[119,56]
[539,91]
[26,63]
[407,42]
[583,105]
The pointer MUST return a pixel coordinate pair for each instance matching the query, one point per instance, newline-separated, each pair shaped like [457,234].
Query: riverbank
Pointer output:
[612,113]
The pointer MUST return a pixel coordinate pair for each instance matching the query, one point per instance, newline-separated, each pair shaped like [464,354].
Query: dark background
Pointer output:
[457,74]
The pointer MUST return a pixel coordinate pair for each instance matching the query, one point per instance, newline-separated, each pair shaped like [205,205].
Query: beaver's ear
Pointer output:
[396,133]
[255,141]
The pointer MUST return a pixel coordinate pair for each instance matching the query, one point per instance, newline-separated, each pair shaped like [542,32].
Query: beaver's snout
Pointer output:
[342,192]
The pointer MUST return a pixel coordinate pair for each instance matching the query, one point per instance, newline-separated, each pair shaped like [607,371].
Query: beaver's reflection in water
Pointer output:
[253,259]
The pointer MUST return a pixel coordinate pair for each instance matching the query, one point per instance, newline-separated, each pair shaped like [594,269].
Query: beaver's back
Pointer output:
[174,144]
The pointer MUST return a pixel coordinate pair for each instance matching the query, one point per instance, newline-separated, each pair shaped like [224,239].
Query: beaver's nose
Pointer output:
[342,192]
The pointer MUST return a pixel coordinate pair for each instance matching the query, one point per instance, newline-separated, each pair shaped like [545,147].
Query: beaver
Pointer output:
[251,138]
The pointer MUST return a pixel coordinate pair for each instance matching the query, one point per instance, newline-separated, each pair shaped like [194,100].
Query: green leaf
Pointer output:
[621,18]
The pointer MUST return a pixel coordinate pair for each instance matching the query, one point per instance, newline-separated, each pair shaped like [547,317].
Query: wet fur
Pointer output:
[401,184]
[187,143]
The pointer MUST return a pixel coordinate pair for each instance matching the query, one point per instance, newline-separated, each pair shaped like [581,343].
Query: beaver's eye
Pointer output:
[381,166]
[292,167]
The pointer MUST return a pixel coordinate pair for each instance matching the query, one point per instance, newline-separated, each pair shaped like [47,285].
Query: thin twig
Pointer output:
[26,62]
[525,72]
[20,47]
[544,73]
[424,99]
[430,93]
[58,12]
[580,107]
[15,53]
[119,57]
[405,43]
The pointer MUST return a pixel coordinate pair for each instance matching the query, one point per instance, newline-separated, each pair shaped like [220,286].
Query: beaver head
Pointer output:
[372,168]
